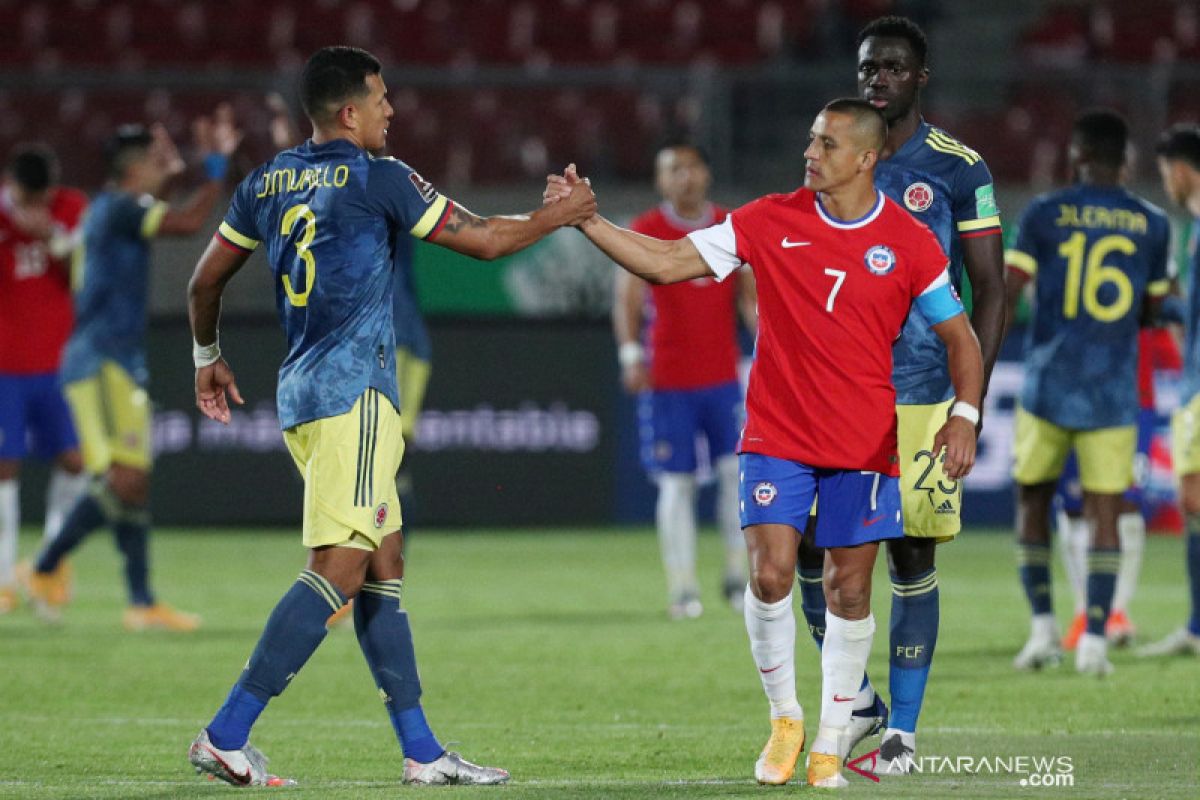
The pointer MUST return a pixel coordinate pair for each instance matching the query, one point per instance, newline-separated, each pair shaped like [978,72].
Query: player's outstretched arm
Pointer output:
[213,376]
[488,238]
[983,257]
[965,359]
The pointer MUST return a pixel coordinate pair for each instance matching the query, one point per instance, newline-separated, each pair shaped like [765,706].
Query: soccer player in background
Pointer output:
[1155,346]
[1179,167]
[1097,256]
[328,213]
[947,186]
[39,223]
[838,267]
[104,363]
[686,380]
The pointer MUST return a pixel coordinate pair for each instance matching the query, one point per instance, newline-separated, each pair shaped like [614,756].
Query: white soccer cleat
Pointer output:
[1181,642]
[1091,657]
[686,606]
[451,768]
[863,723]
[897,750]
[1042,650]
[244,767]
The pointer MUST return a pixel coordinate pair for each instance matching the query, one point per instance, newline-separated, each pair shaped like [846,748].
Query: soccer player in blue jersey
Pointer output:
[1179,166]
[1097,256]
[104,362]
[947,186]
[328,213]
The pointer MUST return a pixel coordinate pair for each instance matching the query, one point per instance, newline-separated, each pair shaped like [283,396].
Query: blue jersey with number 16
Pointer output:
[1094,253]
[328,214]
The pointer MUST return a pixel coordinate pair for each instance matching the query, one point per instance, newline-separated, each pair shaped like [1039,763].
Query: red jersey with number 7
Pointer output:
[833,296]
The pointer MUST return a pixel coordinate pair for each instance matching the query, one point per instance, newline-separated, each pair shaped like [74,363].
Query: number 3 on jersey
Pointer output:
[304,214]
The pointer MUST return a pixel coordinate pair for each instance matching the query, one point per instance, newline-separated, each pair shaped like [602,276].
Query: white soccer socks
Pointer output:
[1131,527]
[772,630]
[729,520]
[10,520]
[675,516]
[843,662]
[62,493]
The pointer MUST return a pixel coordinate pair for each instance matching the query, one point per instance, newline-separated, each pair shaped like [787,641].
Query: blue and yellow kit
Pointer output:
[329,214]
[1094,253]
[947,186]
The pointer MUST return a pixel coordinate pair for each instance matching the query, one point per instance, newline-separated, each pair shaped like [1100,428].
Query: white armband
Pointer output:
[965,410]
[205,354]
[630,354]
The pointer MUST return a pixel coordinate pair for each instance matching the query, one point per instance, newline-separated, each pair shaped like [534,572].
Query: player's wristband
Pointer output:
[205,354]
[215,166]
[630,354]
[965,410]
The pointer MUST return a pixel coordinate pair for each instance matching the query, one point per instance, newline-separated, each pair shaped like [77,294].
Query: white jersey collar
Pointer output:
[866,219]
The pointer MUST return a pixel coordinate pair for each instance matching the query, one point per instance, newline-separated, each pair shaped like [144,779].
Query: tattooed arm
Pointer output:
[488,238]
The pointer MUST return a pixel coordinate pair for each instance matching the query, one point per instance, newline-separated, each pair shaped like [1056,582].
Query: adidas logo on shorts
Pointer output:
[945,508]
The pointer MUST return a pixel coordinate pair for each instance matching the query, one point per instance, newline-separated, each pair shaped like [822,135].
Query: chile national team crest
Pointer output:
[880,259]
[918,197]
[381,515]
[764,493]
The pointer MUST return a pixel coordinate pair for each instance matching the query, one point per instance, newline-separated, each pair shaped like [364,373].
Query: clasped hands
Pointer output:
[575,191]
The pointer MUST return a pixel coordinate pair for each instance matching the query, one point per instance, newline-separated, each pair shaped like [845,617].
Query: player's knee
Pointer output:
[70,462]
[9,469]
[848,594]
[910,557]
[770,582]
[131,486]
[1190,494]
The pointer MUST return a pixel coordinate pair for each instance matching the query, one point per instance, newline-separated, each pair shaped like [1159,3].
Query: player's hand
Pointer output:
[558,187]
[212,383]
[635,378]
[957,437]
[164,151]
[225,133]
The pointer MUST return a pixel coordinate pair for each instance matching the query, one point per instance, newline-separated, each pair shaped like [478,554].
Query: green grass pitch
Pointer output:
[549,653]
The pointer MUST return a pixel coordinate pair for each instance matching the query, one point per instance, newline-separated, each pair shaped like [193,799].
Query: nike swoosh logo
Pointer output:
[840,699]
[243,780]
[768,671]
[869,522]
[786,244]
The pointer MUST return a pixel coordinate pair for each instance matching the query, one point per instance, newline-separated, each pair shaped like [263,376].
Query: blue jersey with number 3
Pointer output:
[328,214]
[1094,252]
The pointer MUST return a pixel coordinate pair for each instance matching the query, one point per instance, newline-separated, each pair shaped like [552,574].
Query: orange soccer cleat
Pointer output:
[1070,639]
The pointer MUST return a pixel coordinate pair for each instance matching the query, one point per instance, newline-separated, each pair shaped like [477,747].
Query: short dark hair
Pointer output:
[867,117]
[894,27]
[1180,142]
[1102,136]
[332,76]
[34,167]
[684,144]
[128,144]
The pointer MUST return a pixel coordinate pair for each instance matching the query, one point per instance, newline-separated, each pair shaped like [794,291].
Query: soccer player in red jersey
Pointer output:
[686,380]
[838,267]
[38,225]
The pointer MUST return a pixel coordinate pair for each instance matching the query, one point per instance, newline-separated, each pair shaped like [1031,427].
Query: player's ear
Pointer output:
[347,116]
[922,77]
[868,160]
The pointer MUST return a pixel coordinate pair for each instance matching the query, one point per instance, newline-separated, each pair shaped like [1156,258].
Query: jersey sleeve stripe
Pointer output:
[227,232]
[1159,288]
[153,219]
[979,224]
[432,219]
[1022,261]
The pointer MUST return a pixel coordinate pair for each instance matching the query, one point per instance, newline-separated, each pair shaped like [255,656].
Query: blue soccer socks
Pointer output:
[87,515]
[1103,566]
[1033,564]
[294,630]
[916,615]
[812,602]
[1193,570]
[386,641]
[132,532]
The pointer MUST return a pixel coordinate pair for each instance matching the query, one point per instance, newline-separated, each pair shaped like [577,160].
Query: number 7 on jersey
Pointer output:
[838,275]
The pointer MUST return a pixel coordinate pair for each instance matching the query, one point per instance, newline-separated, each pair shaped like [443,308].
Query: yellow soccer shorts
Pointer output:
[112,417]
[1105,455]
[412,376]
[349,464]
[930,501]
[1185,438]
